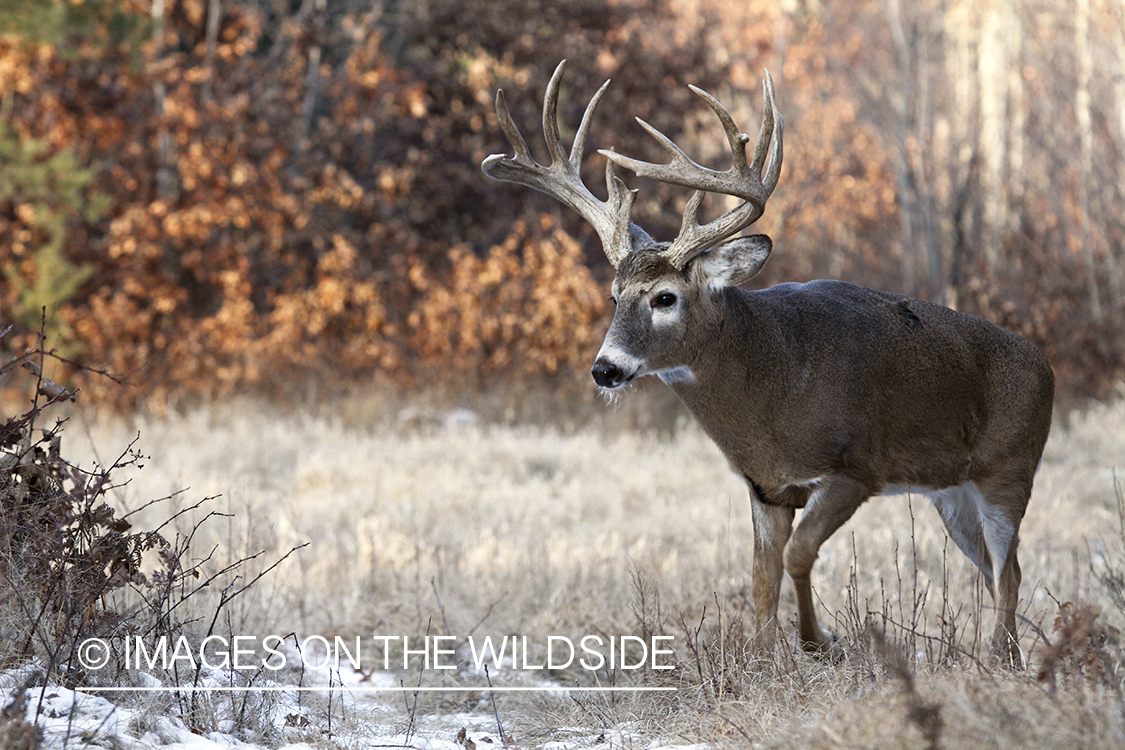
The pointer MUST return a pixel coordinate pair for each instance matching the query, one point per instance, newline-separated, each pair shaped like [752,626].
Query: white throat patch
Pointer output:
[682,374]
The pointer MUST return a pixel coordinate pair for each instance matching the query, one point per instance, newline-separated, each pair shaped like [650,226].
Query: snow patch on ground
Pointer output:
[81,720]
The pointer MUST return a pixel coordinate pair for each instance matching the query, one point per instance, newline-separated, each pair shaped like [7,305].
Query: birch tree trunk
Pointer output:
[903,174]
[992,70]
[1085,145]
[960,40]
[1117,23]
[1017,121]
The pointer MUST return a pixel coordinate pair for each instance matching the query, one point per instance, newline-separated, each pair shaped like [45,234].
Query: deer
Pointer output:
[820,395]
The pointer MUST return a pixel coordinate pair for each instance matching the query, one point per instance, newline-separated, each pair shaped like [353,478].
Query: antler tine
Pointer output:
[614,185]
[772,123]
[735,137]
[622,200]
[511,132]
[683,170]
[663,172]
[743,180]
[587,117]
[551,116]
[562,179]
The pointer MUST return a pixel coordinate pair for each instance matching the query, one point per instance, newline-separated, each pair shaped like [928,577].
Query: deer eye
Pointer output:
[664,299]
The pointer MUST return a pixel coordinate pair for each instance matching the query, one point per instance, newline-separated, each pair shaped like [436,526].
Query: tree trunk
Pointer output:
[214,13]
[1085,145]
[992,70]
[166,182]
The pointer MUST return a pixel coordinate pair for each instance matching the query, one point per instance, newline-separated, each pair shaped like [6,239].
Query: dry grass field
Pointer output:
[454,527]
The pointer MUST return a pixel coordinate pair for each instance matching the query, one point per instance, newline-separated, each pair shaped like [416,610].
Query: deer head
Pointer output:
[660,286]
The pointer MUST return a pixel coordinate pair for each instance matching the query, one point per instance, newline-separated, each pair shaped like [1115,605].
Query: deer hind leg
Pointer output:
[833,502]
[1001,504]
[772,525]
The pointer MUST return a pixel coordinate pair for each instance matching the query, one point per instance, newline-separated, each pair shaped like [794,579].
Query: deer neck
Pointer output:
[743,355]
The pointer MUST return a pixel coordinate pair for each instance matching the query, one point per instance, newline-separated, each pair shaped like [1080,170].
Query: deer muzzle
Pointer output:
[607,374]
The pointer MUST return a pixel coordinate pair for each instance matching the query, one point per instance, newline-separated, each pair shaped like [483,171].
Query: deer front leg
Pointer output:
[830,505]
[772,525]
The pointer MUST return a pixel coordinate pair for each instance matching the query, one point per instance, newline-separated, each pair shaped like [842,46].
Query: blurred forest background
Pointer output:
[218,196]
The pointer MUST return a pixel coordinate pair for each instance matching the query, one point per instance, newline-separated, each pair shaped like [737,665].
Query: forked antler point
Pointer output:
[561,179]
[743,180]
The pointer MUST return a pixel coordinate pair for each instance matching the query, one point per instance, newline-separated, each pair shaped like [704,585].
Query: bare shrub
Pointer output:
[73,568]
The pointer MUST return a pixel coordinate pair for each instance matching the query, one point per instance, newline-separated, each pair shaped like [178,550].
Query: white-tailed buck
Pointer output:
[820,394]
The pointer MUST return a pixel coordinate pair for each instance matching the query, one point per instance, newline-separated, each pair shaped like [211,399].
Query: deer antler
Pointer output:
[742,180]
[611,218]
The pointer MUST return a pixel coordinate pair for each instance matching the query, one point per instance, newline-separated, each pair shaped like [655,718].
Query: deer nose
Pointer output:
[606,374]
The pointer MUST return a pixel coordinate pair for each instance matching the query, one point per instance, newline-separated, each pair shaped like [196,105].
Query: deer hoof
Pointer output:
[827,648]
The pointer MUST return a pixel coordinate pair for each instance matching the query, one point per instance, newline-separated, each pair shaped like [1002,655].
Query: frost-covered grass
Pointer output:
[452,527]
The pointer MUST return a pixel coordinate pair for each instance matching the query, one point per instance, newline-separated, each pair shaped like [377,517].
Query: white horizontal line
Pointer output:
[372,689]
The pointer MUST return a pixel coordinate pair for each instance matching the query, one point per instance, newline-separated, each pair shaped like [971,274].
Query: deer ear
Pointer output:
[736,261]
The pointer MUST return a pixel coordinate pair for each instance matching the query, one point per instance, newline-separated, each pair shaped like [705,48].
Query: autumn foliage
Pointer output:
[247,194]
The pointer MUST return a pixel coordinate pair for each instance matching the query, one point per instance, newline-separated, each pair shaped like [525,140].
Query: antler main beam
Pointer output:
[561,179]
[743,180]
